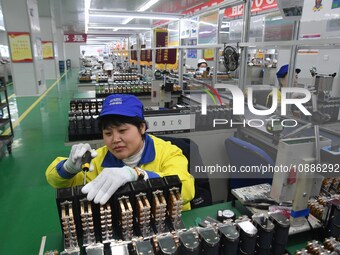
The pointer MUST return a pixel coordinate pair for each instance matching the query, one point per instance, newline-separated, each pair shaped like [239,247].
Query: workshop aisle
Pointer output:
[28,210]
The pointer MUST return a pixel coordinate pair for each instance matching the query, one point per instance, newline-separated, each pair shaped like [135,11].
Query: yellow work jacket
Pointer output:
[159,158]
[269,100]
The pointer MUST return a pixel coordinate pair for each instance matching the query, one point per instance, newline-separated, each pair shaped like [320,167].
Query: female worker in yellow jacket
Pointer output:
[129,153]
[282,78]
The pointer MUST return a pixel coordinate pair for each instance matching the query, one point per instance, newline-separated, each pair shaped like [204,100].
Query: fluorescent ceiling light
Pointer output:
[163,17]
[205,32]
[121,27]
[133,15]
[277,18]
[147,5]
[141,9]
[207,23]
[105,37]
[87,4]
[127,20]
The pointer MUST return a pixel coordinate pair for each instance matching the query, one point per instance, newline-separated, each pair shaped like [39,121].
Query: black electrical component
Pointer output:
[333,219]
[248,235]
[210,241]
[123,212]
[143,247]
[174,201]
[169,85]
[173,181]
[223,215]
[67,216]
[230,238]
[281,231]
[141,207]
[265,234]
[85,223]
[189,243]
[166,245]
[158,203]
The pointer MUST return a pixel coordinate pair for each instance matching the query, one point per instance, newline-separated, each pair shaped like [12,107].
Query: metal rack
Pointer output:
[6,135]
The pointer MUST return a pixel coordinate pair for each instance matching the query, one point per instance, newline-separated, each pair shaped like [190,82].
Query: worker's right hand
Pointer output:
[74,161]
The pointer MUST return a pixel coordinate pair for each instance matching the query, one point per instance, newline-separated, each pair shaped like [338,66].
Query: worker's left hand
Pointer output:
[107,182]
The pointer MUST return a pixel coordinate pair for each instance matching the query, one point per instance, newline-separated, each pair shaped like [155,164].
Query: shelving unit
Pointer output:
[5,119]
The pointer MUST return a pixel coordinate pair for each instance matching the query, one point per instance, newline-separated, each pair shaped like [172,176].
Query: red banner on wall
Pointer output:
[145,55]
[75,38]
[257,6]
[166,56]
[133,54]
[20,45]
[202,6]
[47,49]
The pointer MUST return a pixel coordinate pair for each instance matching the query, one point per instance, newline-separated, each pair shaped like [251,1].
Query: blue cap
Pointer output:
[122,104]
[284,70]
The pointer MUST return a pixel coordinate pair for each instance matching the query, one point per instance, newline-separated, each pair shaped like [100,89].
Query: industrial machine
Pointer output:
[300,169]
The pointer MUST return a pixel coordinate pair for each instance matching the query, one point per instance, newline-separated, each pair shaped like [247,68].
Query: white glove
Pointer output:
[74,161]
[107,183]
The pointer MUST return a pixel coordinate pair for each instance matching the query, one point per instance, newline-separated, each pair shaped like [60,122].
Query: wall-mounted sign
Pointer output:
[323,10]
[145,55]
[291,9]
[75,38]
[257,6]
[47,48]
[133,54]
[166,56]
[20,45]
[189,28]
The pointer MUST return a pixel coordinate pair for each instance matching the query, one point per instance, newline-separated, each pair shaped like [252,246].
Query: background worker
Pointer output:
[202,68]
[202,65]
[282,78]
[129,153]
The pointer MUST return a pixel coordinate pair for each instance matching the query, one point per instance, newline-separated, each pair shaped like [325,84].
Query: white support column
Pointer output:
[60,44]
[23,16]
[48,34]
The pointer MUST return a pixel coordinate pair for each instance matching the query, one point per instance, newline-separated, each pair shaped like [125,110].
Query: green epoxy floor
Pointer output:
[28,209]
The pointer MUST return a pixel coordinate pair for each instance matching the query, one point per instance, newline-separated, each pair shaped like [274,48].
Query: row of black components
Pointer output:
[330,186]
[259,235]
[139,208]
[317,206]
[93,105]
[102,77]
[216,117]
[330,246]
[135,87]
[245,236]
[329,106]
[327,210]
[82,119]
[170,85]
[85,75]
[125,77]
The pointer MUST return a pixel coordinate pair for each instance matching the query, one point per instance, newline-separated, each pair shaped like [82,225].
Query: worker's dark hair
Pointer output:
[112,120]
